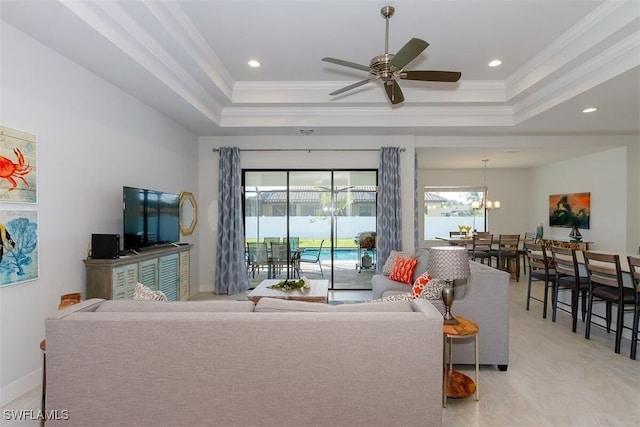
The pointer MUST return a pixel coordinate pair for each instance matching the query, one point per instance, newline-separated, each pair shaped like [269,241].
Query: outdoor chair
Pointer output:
[311,256]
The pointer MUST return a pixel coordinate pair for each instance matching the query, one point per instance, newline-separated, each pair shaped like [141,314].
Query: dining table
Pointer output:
[457,240]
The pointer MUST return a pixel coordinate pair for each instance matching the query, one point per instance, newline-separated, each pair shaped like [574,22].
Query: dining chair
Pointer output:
[311,256]
[568,278]
[605,284]
[539,271]
[482,247]
[634,271]
[522,252]
[507,253]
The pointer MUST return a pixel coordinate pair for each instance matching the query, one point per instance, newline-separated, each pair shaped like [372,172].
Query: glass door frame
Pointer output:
[333,207]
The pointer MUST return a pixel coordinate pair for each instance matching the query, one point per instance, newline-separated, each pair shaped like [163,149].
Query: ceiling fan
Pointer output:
[389,67]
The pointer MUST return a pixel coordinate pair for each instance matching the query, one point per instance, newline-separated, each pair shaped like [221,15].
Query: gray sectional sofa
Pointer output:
[232,363]
[484,299]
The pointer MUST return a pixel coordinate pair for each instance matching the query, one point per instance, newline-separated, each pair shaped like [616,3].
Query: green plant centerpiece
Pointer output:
[290,284]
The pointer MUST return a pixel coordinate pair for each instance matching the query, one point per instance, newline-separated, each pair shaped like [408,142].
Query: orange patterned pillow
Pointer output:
[419,285]
[402,270]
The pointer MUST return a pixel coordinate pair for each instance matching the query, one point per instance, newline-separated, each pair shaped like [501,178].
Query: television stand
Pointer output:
[163,268]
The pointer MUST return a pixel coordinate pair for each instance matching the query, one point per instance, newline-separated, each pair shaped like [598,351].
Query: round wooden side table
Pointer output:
[456,384]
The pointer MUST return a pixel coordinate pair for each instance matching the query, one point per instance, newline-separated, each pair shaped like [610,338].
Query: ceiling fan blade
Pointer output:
[407,53]
[348,64]
[432,76]
[394,93]
[352,86]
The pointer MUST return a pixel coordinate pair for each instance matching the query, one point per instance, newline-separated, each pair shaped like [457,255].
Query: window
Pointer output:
[446,208]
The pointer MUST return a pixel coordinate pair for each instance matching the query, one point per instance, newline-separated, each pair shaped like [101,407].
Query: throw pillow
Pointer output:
[402,270]
[395,297]
[388,265]
[433,289]
[144,293]
[420,284]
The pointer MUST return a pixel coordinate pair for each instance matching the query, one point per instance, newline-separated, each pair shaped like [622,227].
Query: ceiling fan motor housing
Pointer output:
[380,66]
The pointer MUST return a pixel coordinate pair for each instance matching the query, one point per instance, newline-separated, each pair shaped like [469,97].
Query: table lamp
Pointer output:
[448,263]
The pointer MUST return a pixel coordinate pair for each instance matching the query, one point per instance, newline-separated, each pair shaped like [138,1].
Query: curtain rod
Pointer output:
[216,150]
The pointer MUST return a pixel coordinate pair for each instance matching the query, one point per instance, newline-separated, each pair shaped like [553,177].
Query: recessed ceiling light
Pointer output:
[253,63]
[589,110]
[495,63]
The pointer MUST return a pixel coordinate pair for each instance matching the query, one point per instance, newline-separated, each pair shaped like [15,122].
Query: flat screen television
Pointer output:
[150,218]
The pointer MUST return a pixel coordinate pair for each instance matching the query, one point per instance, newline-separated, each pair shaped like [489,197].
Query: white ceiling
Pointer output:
[188,59]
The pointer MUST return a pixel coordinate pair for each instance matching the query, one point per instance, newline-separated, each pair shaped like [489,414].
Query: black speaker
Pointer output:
[105,246]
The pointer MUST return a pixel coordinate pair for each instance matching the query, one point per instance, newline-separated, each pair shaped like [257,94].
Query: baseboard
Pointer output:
[17,388]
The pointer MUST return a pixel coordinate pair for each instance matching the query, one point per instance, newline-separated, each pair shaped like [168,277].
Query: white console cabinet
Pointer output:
[165,269]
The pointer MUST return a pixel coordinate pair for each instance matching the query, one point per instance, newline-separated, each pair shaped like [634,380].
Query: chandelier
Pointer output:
[487,204]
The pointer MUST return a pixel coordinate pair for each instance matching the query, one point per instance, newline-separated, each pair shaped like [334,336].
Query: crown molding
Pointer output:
[367,116]
[111,21]
[473,91]
[181,29]
[599,25]
[622,57]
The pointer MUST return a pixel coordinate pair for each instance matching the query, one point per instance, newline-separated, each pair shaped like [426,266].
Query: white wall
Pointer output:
[611,176]
[91,140]
[605,176]
[208,169]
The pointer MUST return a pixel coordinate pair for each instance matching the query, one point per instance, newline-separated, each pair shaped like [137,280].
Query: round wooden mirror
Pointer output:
[188,213]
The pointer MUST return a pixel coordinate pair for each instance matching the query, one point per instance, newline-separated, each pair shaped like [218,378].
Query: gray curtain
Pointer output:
[389,205]
[231,268]
[416,241]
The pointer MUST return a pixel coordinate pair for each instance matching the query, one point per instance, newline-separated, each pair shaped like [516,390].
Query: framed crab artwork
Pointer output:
[17,166]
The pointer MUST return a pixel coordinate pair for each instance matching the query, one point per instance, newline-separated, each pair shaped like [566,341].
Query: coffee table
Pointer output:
[318,292]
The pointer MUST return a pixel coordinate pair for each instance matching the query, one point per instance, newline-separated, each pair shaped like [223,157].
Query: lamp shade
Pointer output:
[449,262]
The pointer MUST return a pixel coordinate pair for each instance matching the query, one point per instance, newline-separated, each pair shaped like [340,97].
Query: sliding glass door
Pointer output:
[318,214]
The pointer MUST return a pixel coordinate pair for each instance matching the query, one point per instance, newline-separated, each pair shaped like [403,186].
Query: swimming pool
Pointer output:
[343,254]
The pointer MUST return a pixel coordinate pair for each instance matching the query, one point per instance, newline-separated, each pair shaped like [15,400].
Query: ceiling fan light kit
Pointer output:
[389,67]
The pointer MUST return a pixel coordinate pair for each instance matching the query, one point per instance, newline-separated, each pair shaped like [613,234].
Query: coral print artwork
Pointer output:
[17,166]
[18,246]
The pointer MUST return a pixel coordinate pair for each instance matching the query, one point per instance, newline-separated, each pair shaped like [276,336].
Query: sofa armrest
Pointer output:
[486,303]
[91,304]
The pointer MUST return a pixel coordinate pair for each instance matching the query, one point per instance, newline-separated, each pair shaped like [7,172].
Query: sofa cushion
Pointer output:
[390,306]
[403,269]
[423,262]
[276,305]
[193,306]
[273,305]
[388,265]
